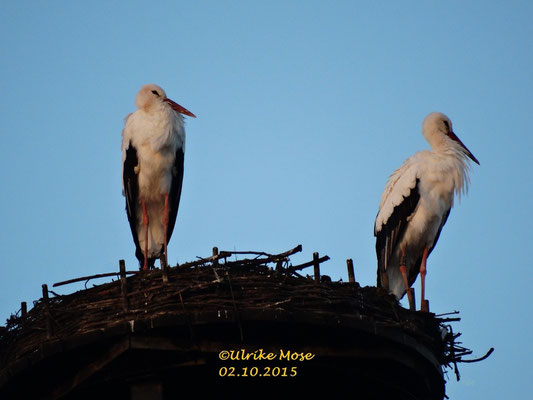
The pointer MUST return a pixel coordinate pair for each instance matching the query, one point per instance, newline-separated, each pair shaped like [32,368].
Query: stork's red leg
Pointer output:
[403,270]
[165,227]
[409,291]
[145,223]
[423,279]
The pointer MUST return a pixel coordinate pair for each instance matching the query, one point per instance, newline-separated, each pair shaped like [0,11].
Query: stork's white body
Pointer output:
[417,200]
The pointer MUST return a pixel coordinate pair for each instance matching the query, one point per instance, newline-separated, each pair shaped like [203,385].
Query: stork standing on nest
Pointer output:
[415,205]
[153,149]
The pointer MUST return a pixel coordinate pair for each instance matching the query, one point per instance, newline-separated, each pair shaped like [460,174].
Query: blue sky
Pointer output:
[304,109]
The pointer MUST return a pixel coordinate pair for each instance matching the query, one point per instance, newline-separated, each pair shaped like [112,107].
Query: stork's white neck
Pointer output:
[442,144]
[456,163]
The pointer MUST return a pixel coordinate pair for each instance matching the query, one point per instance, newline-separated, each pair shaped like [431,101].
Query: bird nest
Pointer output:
[220,288]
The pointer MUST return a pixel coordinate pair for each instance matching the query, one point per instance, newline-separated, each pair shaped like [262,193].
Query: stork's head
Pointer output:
[437,129]
[151,94]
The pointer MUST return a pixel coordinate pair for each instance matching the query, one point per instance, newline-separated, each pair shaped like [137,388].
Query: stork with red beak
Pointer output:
[153,149]
[415,205]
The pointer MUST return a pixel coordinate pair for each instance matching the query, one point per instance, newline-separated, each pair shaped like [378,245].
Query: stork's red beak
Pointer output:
[178,108]
[453,136]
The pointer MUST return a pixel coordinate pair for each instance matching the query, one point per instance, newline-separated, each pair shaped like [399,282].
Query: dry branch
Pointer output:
[87,278]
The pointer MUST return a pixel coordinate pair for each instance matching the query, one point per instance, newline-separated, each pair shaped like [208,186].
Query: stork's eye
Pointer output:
[155,92]
[447,125]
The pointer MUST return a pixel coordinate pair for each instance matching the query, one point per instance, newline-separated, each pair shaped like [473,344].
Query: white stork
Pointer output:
[153,148]
[415,205]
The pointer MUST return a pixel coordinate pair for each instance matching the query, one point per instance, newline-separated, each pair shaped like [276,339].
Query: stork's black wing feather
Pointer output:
[131,192]
[175,191]
[391,233]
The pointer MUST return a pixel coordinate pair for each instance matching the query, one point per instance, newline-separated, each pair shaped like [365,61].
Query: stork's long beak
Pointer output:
[178,108]
[468,153]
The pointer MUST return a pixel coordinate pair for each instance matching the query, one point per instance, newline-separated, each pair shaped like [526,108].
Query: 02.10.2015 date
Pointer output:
[257,372]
